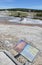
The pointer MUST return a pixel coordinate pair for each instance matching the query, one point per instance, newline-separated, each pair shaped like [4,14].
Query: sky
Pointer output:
[31,4]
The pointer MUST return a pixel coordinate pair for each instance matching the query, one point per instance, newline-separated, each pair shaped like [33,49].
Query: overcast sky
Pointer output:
[33,4]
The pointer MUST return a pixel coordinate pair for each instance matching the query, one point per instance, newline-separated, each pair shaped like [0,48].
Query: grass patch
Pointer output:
[18,14]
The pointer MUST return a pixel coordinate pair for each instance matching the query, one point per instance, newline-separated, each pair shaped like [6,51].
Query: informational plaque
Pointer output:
[25,49]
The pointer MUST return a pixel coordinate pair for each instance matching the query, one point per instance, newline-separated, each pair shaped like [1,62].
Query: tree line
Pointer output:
[22,9]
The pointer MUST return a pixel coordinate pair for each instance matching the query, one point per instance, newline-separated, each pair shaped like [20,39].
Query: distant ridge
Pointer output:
[21,9]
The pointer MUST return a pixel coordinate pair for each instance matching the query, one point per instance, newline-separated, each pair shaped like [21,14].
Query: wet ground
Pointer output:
[20,20]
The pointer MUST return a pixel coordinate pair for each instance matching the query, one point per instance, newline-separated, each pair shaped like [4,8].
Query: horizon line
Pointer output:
[20,8]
